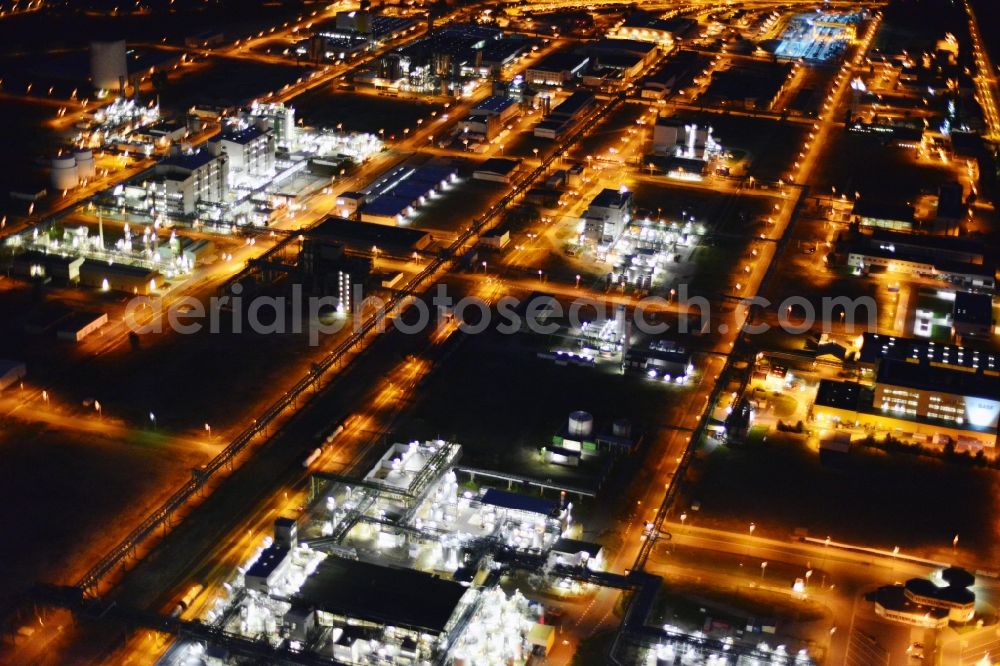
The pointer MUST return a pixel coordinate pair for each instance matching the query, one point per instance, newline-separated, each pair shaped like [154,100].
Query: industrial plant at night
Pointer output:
[472,333]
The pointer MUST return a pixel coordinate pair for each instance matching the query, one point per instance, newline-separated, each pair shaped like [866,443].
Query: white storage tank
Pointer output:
[64,176]
[84,164]
[108,64]
[621,428]
[581,423]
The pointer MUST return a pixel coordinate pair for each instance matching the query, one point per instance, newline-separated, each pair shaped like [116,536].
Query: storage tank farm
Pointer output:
[64,172]
[85,168]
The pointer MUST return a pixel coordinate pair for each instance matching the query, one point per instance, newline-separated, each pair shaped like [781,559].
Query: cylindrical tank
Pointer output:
[621,428]
[84,163]
[64,175]
[581,423]
[108,64]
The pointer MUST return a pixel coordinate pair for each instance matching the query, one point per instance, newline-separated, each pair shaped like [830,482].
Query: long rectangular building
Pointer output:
[920,389]
[566,115]
[402,598]
[400,191]
[876,347]
[945,258]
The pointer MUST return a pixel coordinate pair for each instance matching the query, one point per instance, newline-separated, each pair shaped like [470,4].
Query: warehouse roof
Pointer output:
[633,46]
[80,320]
[575,546]
[397,597]
[561,61]
[573,104]
[241,136]
[931,244]
[838,395]
[528,503]
[94,266]
[388,205]
[269,560]
[875,347]
[881,210]
[499,166]
[973,308]
[189,161]
[495,104]
[934,378]
[609,198]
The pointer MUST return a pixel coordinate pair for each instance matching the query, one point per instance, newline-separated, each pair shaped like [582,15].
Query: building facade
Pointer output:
[250,152]
[181,181]
[607,216]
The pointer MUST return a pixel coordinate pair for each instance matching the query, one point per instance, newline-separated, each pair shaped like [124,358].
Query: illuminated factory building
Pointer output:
[930,392]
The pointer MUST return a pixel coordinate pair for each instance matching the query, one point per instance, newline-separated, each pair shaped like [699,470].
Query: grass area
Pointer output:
[131,382]
[27,139]
[226,82]
[707,277]
[783,405]
[608,134]
[64,491]
[594,651]
[716,210]
[872,498]
[359,112]
[916,26]
[863,164]
[502,403]
[688,605]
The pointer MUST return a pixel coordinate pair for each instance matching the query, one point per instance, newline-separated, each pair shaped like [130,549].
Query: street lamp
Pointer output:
[152,419]
[208,429]
[577,280]
[763,568]
[97,406]
[45,399]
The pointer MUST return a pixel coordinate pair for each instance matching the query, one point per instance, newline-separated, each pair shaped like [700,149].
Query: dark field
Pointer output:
[876,499]
[226,82]
[69,492]
[360,112]
[862,164]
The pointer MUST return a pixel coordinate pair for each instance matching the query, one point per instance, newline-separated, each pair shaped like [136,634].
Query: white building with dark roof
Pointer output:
[607,215]
[250,151]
